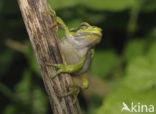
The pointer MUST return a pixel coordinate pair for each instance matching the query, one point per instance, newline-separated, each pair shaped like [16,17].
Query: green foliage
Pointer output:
[28,97]
[134,49]
[1,5]
[149,6]
[138,85]
[10,109]
[5,59]
[141,70]
[107,60]
[141,73]
[109,5]
[106,5]
[29,54]
[113,103]
[151,55]
[60,4]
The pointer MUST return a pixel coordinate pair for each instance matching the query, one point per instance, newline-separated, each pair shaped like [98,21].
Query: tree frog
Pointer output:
[77,49]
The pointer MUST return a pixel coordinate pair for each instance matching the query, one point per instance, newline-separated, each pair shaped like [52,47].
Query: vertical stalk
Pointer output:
[44,42]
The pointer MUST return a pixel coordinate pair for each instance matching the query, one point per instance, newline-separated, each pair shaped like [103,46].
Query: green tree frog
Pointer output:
[77,50]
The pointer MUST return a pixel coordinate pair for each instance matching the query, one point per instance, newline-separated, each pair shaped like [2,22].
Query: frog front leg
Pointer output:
[59,22]
[68,68]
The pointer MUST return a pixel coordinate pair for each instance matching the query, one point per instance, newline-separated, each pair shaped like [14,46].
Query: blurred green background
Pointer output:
[123,69]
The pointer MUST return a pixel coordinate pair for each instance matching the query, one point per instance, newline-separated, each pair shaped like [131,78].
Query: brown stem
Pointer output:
[44,42]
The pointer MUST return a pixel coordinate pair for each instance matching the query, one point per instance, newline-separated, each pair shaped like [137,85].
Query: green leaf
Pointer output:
[140,74]
[104,62]
[134,49]
[109,5]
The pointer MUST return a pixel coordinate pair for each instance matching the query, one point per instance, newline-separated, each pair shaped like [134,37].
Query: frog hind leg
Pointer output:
[85,81]
[76,88]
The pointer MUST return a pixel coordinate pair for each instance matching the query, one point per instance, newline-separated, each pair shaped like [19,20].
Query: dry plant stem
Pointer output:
[44,42]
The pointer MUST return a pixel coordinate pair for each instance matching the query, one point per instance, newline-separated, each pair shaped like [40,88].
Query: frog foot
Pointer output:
[51,12]
[59,22]
[73,92]
[60,66]
[76,88]
[53,25]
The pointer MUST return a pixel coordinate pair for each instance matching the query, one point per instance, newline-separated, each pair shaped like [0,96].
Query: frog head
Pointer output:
[86,35]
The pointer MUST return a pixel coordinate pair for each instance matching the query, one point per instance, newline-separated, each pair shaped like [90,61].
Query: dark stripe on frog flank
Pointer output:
[75,30]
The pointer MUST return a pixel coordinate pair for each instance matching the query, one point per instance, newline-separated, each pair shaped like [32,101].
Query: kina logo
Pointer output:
[137,107]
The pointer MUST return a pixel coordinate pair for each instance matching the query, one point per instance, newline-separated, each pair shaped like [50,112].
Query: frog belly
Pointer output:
[86,64]
[74,56]
[71,54]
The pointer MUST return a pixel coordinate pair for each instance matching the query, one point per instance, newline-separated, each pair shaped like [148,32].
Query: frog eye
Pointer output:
[83,26]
